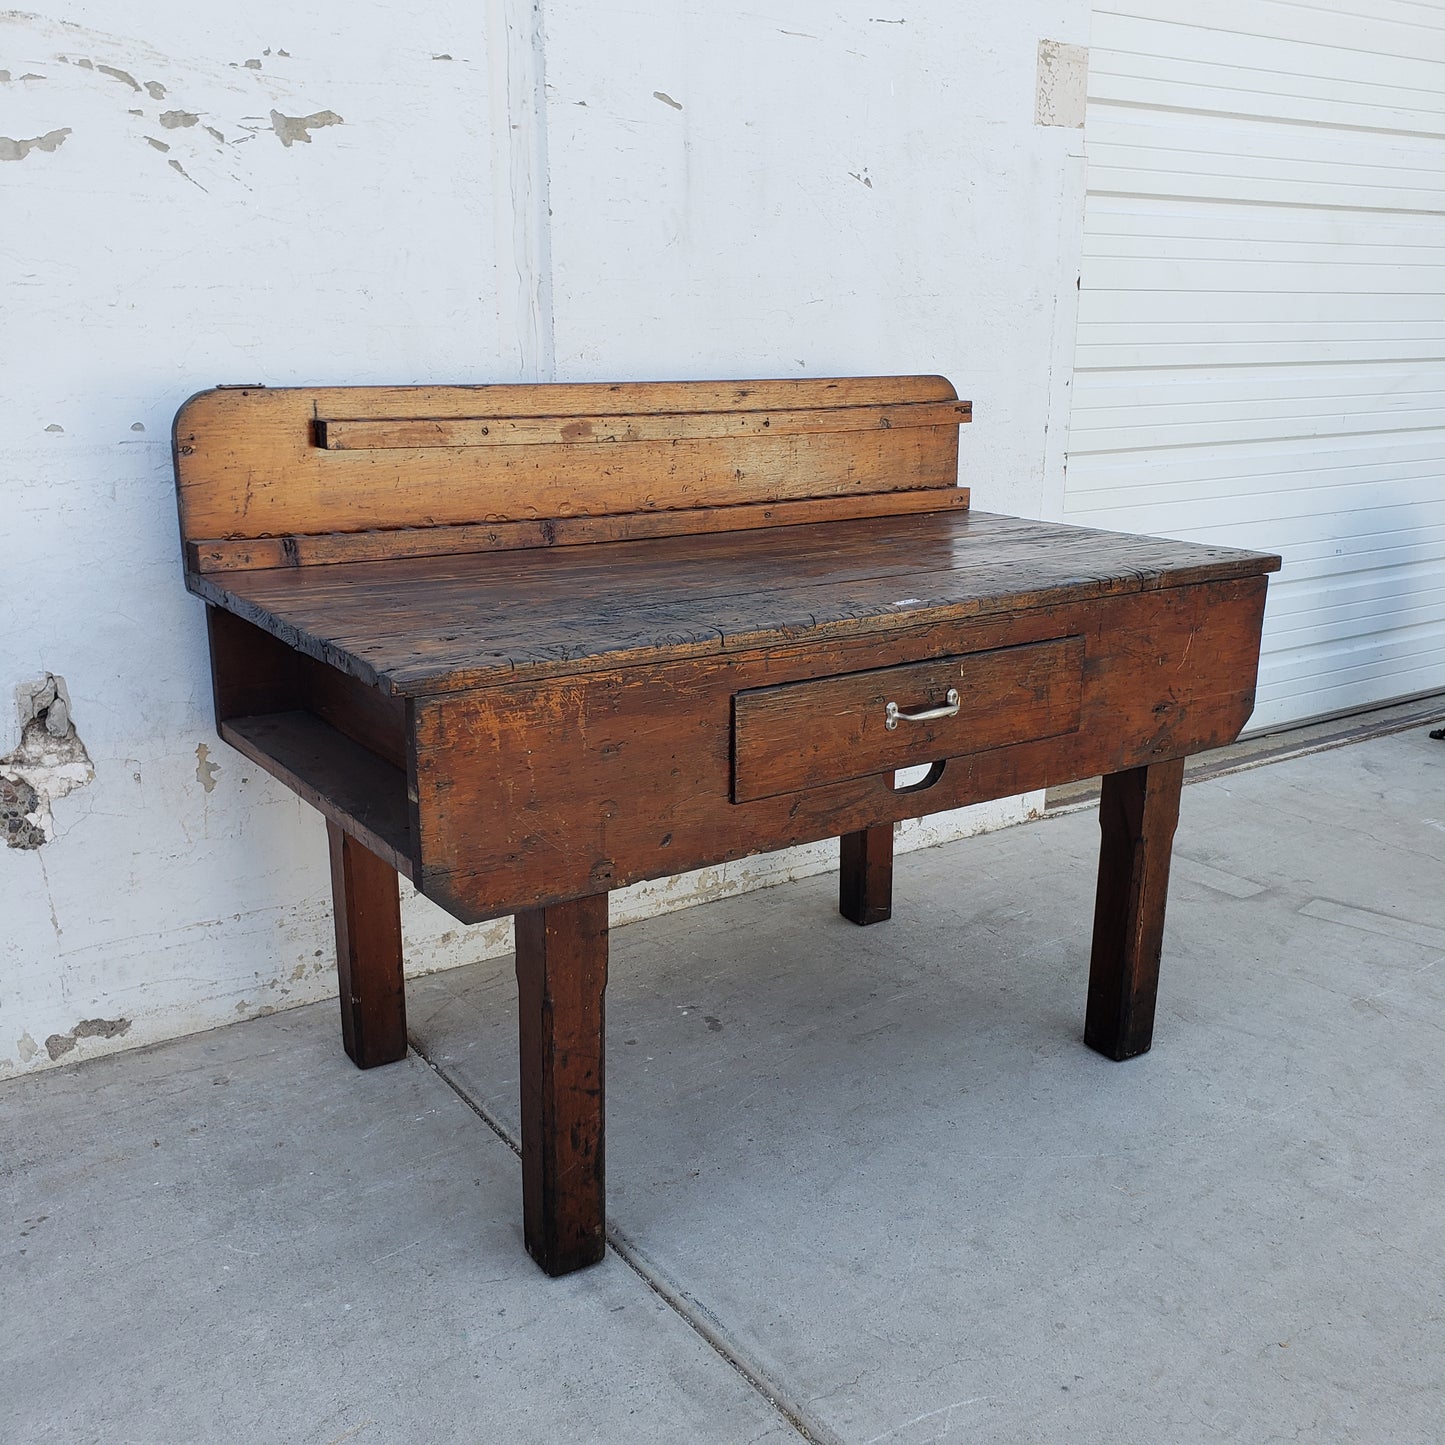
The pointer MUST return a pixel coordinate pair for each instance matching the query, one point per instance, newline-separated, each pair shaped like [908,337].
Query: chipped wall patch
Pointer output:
[292,128]
[666,99]
[124,76]
[19,814]
[1062,85]
[206,770]
[49,762]
[17,150]
[58,1045]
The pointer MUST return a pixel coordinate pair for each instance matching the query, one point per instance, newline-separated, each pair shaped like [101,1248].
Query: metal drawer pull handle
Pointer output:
[892,713]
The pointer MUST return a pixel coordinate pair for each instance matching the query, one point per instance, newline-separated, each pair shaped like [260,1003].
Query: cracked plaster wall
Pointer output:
[453,193]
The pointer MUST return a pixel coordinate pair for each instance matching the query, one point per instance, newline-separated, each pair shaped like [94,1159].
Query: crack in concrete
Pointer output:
[696,1316]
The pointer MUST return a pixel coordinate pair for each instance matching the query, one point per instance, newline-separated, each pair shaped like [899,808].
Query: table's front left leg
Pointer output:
[1138,812]
[371,983]
[561,981]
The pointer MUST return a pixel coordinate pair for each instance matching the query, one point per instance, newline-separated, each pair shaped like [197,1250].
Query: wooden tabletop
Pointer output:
[436,624]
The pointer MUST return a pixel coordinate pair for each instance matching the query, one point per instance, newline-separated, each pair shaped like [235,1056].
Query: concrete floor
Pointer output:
[865,1184]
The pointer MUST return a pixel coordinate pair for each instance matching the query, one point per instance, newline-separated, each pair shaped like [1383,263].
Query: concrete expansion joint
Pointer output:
[701,1321]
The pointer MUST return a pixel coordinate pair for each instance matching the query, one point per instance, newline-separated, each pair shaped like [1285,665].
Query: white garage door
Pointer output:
[1261,345]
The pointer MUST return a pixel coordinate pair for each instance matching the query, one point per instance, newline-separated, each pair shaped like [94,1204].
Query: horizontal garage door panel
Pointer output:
[1261,342]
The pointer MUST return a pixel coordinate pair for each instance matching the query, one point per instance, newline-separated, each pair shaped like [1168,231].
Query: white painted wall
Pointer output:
[501,195]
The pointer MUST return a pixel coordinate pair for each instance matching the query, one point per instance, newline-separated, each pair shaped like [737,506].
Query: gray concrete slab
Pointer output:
[239,1237]
[882,1167]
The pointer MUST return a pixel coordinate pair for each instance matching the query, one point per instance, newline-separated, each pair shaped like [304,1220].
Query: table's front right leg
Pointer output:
[561,981]
[1138,812]
[865,875]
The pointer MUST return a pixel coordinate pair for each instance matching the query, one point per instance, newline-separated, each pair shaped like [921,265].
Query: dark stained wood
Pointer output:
[801,735]
[247,463]
[427,625]
[252,671]
[561,981]
[865,875]
[376,720]
[1138,812]
[528,644]
[386,433]
[350,784]
[297,550]
[1165,673]
[368,952]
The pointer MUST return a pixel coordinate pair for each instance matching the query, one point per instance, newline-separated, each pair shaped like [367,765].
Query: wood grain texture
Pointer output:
[350,784]
[247,463]
[1138,813]
[865,875]
[1166,673]
[800,735]
[254,673]
[561,984]
[427,625]
[297,550]
[372,988]
[385,433]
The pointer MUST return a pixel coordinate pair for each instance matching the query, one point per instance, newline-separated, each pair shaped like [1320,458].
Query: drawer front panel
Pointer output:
[807,734]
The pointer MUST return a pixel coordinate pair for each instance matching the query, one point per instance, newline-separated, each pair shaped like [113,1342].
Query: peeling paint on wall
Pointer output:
[240,102]
[124,76]
[292,128]
[58,1045]
[17,150]
[49,762]
[1063,82]
[206,770]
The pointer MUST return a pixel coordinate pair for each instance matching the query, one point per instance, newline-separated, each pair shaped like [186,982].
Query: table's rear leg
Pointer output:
[368,952]
[865,875]
[1138,811]
[561,981]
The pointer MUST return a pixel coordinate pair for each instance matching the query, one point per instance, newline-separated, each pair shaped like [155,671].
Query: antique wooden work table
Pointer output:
[526,644]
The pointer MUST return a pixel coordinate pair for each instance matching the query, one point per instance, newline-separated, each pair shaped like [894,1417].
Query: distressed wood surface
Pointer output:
[300,550]
[248,464]
[865,875]
[561,983]
[371,985]
[428,625]
[800,735]
[1166,673]
[1138,813]
[346,781]
[385,433]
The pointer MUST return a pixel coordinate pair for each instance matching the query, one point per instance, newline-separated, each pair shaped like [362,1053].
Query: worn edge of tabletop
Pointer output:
[1207,564]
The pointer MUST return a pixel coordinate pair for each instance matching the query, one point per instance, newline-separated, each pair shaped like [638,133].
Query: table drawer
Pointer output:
[801,735]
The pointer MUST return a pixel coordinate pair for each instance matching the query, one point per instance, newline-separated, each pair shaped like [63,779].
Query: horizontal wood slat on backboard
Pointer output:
[353,435]
[219,555]
[248,466]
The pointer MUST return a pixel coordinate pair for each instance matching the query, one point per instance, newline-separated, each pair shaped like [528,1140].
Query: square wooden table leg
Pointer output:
[561,982]
[368,952]
[1138,812]
[865,875]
